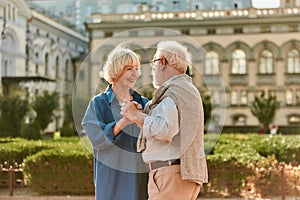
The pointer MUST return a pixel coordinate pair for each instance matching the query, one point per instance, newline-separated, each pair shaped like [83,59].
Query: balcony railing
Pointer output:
[195,14]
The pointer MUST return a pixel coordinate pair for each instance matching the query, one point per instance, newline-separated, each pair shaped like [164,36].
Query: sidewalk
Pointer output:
[48,198]
[92,198]
[24,194]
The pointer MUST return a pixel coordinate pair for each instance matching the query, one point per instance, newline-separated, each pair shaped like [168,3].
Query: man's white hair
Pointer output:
[176,54]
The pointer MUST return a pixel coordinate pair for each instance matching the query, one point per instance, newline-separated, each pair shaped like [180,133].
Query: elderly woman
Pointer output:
[119,172]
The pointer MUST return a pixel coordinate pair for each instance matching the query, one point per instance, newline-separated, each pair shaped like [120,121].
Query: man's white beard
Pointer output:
[154,83]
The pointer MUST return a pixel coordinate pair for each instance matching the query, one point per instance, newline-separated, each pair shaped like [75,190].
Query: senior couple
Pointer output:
[147,149]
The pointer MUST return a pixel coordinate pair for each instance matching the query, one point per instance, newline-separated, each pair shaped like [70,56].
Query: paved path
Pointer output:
[48,198]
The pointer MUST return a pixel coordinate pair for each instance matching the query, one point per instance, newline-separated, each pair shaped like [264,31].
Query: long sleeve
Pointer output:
[162,124]
[100,133]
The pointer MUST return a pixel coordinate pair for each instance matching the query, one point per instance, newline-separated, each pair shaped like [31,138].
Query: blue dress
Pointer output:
[119,171]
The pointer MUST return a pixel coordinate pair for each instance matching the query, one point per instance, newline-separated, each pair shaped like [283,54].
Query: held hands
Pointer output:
[126,119]
[133,112]
[129,109]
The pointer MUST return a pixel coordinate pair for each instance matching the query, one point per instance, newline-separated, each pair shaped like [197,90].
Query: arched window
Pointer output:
[36,62]
[212,63]
[294,119]
[67,75]
[239,120]
[46,64]
[293,62]
[57,67]
[266,62]
[238,62]
[5,69]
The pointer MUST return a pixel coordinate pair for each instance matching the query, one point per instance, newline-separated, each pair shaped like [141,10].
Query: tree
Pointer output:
[44,105]
[13,108]
[68,128]
[264,108]
[207,107]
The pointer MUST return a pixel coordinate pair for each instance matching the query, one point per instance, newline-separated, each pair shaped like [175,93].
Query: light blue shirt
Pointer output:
[117,165]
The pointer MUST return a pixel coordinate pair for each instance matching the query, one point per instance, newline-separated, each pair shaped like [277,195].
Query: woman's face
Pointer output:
[129,76]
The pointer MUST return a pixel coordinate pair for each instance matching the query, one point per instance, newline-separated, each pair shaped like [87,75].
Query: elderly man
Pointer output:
[171,137]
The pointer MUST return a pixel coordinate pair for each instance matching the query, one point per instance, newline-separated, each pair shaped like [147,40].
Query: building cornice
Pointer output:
[238,17]
[56,25]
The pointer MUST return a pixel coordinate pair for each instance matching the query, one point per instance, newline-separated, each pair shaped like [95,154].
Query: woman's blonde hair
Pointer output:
[117,60]
[176,54]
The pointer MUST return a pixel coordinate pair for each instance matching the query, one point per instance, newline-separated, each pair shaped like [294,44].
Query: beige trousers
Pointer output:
[166,184]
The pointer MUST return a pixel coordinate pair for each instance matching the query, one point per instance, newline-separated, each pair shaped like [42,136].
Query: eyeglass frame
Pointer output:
[154,60]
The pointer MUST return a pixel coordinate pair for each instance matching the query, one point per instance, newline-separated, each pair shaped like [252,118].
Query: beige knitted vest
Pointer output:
[191,128]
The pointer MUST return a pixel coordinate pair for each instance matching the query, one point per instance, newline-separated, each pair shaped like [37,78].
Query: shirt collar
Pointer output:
[110,94]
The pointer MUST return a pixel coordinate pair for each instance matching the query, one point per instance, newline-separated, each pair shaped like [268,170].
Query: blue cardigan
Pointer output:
[119,171]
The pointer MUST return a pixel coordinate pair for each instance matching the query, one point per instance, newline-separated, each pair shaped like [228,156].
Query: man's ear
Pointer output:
[163,67]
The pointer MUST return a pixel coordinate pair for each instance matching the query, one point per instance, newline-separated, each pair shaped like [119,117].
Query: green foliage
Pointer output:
[66,169]
[68,128]
[16,149]
[31,131]
[44,105]
[13,109]
[207,107]
[264,108]
[285,149]
[67,131]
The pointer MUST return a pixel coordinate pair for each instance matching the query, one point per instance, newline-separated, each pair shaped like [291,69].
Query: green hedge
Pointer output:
[66,166]
[16,149]
[67,169]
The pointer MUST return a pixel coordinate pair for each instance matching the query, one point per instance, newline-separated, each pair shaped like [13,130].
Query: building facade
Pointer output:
[76,12]
[37,54]
[237,54]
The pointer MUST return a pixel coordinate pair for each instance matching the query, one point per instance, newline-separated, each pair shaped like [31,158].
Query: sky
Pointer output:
[265,3]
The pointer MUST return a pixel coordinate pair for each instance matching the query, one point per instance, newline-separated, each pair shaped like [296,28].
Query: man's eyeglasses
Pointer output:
[159,59]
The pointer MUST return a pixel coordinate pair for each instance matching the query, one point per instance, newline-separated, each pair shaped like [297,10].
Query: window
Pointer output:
[293,62]
[211,31]
[212,63]
[70,11]
[234,97]
[239,97]
[294,119]
[9,13]
[266,62]
[199,6]
[289,97]
[216,99]
[238,4]
[297,97]
[46,64]
[238,62]
[244,97]
[5,69]
[67,71]
[36,68]
[239,120]
[57,67]
[81,75]
[176,5]
[217,5]
[14,14]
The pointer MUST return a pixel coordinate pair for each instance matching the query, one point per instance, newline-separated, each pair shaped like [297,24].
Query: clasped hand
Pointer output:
[130,109]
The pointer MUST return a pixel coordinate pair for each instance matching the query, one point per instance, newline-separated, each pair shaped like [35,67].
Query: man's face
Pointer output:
[156,72]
